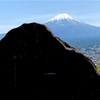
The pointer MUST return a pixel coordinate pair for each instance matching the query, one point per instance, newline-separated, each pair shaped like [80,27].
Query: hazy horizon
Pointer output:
[15,13]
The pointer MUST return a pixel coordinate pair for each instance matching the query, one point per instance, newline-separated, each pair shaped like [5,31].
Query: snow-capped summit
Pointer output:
[63,16]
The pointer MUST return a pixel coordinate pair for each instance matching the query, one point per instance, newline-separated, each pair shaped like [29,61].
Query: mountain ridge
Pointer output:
[66,16]
[72,29]
[70,23]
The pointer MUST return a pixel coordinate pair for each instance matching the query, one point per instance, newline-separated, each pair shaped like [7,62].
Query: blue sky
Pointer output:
[16,12]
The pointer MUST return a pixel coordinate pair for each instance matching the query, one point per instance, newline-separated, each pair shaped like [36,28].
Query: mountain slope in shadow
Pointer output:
[34,63]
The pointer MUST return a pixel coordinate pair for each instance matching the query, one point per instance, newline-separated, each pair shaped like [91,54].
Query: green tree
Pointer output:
[98,66]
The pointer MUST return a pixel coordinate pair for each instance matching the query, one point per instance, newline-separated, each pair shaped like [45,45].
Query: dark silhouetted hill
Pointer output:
[36,64]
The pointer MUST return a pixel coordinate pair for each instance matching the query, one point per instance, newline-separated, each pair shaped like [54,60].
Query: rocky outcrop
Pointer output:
[34,63]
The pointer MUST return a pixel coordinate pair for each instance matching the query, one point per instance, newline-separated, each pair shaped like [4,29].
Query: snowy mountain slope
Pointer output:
[63,17]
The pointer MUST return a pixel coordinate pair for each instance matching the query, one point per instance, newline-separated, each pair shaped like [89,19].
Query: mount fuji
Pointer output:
[74,31]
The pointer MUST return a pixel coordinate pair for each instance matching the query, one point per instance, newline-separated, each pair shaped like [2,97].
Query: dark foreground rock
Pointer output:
[36,64]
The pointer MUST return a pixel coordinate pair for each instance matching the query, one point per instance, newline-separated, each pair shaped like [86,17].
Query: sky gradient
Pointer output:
[16,12]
